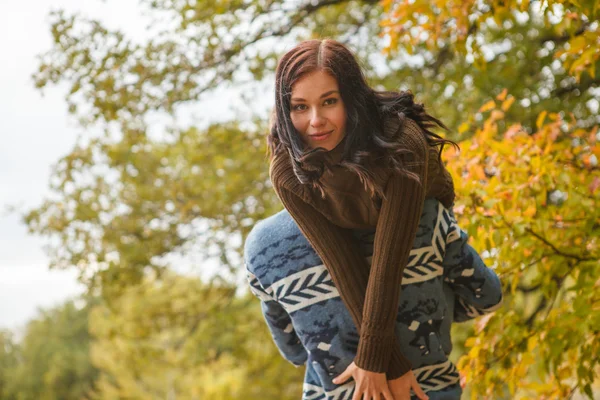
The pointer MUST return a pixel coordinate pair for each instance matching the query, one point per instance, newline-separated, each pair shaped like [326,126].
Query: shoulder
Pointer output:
[411,135]
[414,137]
[269,233]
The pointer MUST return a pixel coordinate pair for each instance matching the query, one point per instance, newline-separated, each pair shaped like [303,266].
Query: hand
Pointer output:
[400,387]
[369,385]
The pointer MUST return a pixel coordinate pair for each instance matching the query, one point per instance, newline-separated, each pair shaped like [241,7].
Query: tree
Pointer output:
[178,338]
[127,205]
[116,82]
[125,202]
[530,201]
[527,180]
[544,53]
[8,361]
[52,361]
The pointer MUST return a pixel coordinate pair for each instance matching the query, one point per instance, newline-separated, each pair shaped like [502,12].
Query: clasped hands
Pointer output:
[375,386]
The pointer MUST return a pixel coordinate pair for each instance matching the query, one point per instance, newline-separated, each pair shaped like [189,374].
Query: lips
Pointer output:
[320,135]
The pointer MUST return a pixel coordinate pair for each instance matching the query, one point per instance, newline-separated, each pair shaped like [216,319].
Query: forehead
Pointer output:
[314,84]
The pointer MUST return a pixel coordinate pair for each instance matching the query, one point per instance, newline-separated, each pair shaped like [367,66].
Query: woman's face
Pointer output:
[317,110]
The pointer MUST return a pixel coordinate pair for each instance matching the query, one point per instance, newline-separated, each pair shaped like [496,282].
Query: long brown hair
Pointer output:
[366,141]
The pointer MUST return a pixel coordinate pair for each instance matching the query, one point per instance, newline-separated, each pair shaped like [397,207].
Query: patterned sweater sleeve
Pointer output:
[279,323]
[341,254]
[478,289]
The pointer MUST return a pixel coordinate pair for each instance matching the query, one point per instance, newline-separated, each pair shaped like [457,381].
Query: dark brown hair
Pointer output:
[366,142]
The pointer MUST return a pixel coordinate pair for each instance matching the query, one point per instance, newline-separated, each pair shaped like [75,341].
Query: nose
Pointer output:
[317,119]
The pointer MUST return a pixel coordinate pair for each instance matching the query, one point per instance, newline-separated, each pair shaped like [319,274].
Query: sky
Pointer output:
[35,132]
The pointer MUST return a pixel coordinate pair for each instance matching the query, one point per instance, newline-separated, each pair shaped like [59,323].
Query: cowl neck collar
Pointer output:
[334,156]
[325,160]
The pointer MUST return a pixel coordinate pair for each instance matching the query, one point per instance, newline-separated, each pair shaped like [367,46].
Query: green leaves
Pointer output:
[199,46]
[179,337]
[51,361]
[122,207]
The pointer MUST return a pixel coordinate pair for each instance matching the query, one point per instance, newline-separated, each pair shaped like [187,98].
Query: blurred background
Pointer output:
[133,165]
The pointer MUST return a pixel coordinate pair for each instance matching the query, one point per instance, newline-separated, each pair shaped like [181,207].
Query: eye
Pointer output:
[298,107]
[331,100]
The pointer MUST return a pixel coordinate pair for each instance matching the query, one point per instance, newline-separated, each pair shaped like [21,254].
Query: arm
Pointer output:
[348,267]
[394,238]
[478,289]
[279,324]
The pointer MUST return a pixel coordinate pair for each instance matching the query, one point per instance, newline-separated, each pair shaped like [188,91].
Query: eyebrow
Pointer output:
[323,95]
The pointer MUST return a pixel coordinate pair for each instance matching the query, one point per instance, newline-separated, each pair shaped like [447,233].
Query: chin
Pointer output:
[334,143]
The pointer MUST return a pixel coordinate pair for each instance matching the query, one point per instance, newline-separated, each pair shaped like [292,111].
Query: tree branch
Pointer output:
[564,38]
[529,321]
[525,289]
[561,91]
[556,249]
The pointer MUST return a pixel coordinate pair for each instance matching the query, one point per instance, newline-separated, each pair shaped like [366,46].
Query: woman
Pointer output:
[344,156]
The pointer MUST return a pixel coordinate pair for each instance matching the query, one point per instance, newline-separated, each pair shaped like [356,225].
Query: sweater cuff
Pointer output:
[381,354]
[399,365]
[374,352]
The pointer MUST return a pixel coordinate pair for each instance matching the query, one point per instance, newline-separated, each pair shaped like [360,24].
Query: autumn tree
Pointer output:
[116,83]
[530,202]
[527,181]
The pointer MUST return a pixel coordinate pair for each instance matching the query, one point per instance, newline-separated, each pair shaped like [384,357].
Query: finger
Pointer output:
[358,393]
[387,394]
[418,391]
[402,396]
[463,380]
[343,377]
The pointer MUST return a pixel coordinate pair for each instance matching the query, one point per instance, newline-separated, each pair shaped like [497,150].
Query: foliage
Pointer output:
[571,27]
[52,360]
[8,361]
[543,52]
[194,47]
[532,202]
[124,206]
[178,338]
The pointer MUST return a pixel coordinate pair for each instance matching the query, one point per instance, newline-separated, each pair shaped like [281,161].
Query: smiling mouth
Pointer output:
[320,136]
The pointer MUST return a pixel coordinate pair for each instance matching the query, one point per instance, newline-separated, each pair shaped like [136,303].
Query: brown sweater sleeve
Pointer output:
[394,238]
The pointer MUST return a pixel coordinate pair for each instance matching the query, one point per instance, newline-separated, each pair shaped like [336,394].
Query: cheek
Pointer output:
[299,123]
[340,118]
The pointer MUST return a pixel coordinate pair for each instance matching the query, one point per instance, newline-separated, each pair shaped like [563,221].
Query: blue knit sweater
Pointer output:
[445,280]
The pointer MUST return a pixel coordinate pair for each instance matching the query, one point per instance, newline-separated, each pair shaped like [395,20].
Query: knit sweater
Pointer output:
[370,296]
[445,280]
